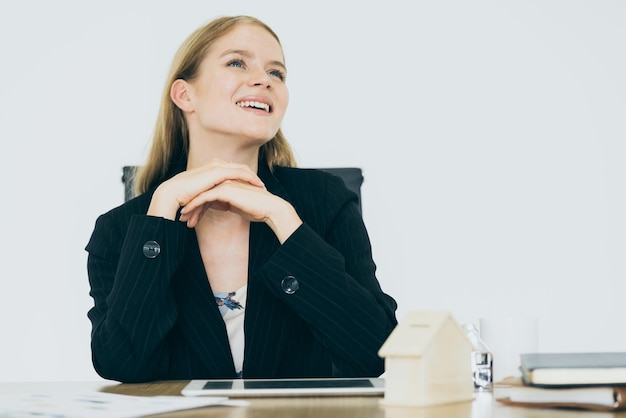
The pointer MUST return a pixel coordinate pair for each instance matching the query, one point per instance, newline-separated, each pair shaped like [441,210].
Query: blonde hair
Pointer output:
[170,139]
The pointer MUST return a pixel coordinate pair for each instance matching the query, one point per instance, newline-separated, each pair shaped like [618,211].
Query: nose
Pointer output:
[259,78]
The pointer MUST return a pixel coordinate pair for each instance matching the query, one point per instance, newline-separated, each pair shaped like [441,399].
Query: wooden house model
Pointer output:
[427,361]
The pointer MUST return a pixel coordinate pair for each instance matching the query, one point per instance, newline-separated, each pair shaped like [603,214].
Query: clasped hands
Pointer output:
[223,186]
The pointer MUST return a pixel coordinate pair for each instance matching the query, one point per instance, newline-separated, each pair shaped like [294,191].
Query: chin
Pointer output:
[261,137]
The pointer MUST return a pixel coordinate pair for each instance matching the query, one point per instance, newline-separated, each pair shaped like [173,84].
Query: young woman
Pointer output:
[231,262]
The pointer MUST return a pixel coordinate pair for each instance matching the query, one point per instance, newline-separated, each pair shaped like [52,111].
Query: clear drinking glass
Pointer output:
[481,360]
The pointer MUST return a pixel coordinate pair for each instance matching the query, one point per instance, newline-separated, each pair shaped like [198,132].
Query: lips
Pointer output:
[255,105]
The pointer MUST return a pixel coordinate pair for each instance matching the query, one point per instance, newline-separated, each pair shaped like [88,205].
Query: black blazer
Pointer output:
[156,318]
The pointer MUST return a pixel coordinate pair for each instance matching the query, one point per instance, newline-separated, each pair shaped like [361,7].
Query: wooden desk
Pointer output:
[483,406]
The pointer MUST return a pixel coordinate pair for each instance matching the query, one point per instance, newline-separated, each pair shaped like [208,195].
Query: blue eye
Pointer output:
[278,74]
[235,63]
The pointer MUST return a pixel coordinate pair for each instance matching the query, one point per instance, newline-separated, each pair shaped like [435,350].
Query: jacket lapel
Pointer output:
[267,318]
[199,316]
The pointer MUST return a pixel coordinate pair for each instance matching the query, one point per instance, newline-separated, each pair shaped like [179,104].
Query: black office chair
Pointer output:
[351,176]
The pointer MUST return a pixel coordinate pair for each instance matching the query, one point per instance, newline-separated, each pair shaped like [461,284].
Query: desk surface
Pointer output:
[483,405]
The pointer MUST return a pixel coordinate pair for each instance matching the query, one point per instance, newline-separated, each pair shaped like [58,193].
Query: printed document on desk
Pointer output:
[98,405]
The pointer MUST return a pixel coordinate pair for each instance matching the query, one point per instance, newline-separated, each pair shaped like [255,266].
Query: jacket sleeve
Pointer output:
[133,307]
[338,293]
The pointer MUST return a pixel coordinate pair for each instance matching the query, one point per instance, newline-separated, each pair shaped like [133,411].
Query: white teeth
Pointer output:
[257,105]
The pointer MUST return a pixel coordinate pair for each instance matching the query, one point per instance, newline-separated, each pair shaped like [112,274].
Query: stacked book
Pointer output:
[595,381]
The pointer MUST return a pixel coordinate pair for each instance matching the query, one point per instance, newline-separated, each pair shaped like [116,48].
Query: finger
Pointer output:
[194,217]
[193,220]
[234,171]
[206,178]
[212,196]
[233,197]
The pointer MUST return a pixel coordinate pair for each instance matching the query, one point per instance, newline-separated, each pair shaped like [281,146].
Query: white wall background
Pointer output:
[491,135]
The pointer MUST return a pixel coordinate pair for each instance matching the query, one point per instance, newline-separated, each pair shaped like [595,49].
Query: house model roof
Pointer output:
[415,333]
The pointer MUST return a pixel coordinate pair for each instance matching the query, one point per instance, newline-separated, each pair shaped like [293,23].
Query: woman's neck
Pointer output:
[202,152]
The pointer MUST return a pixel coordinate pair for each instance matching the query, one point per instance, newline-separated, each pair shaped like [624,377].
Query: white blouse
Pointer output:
[232,307]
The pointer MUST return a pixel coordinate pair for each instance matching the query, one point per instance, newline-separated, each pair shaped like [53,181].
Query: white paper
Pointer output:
[585,395]
[97,405]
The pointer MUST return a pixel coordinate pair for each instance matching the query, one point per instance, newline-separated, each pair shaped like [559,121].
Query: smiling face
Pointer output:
[240,90]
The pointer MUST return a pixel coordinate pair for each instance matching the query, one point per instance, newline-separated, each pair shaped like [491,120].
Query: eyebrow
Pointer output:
[247,54]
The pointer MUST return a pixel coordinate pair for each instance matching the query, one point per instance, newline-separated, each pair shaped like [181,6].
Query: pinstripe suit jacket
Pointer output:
[156,318]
